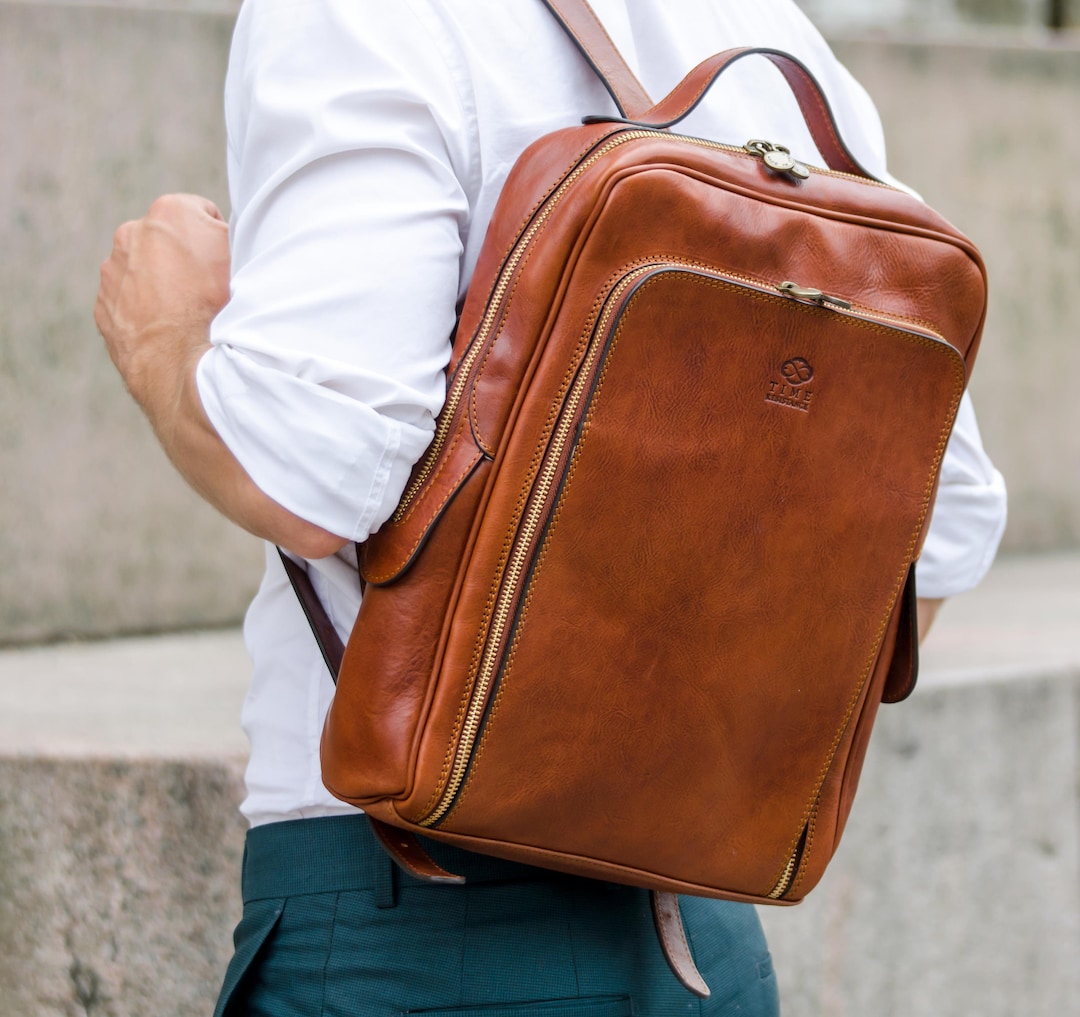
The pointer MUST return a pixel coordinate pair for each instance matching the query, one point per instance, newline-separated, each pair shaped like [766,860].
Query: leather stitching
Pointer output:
[809,813]
[453,489]
[811,87]
[563,179]
[522,228]
[466,696]
[677,950]
[597,306]
[444,458]
[481,639]
[556,515]
[713,75]
[808,90]
[604,32]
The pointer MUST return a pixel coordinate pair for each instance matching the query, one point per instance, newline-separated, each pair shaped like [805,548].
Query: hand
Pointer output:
[166,279]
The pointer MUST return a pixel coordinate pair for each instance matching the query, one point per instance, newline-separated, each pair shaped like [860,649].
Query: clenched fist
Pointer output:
[166,279]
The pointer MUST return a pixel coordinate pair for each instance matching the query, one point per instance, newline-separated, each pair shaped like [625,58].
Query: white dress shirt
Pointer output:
[368,142]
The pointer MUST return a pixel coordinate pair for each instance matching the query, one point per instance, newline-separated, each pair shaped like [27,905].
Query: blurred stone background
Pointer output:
[957,890]
[942,17]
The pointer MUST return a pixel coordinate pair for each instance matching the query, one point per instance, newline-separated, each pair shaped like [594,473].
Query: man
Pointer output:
[368,143]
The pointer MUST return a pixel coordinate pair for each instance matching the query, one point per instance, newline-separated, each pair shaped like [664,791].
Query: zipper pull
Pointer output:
[778,158]
[813,295]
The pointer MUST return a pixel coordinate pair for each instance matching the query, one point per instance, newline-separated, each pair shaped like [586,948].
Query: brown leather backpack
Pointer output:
[640,601]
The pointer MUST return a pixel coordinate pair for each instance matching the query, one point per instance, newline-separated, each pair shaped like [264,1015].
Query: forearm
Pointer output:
[172,404]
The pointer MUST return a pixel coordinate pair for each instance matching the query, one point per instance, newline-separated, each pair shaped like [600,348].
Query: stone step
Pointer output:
[956,890]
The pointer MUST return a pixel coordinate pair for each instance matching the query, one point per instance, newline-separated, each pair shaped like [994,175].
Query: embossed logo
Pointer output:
[791,389]
[797,371]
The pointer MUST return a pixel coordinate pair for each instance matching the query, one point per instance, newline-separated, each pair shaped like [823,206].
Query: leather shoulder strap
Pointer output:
[580,22]
[330,644]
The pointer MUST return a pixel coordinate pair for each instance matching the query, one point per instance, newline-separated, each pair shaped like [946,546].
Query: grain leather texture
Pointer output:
[640,603]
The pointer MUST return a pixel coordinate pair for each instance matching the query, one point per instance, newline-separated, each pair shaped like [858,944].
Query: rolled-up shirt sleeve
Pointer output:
[348,154]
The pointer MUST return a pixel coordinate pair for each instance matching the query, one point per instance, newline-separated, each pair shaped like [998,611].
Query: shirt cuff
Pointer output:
[287,434]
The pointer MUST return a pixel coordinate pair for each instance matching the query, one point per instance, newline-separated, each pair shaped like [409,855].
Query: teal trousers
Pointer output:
[332,927]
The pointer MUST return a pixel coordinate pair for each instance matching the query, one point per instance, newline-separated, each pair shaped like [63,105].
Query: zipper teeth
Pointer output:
[518,559]
[872,181]
[862,311]
[534,508]
[854,311]
[798,853]
[781,887]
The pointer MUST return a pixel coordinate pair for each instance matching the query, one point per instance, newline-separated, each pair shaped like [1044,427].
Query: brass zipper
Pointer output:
[781,887]
[520,553]
[533,514]
[849,309]
[785,880]
[780,160]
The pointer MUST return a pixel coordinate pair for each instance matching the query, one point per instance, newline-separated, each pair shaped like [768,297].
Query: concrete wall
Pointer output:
[120,840]
[105,106]
[938,15]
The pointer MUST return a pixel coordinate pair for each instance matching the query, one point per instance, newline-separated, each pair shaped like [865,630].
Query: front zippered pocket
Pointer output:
[537,510]
[531,527]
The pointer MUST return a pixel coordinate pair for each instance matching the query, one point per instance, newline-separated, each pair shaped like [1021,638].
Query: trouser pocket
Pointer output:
[258,922]
[585,1006]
